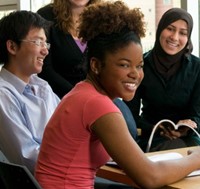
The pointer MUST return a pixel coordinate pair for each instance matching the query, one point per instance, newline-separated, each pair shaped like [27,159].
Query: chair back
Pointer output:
[14,176]
[3,157]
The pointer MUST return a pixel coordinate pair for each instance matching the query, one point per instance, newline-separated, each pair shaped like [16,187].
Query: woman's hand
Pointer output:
[171,133]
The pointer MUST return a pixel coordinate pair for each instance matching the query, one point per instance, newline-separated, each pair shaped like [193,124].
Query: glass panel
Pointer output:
[167,2]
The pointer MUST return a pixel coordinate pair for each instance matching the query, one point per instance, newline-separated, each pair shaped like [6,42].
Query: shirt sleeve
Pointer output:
[94,109]
[16,141]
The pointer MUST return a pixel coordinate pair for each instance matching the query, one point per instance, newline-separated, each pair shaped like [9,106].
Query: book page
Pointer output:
[171,156]
[112,164]
[163,122]
[165,156]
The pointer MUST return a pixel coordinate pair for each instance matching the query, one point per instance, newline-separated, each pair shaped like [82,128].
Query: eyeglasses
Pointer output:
[38,42]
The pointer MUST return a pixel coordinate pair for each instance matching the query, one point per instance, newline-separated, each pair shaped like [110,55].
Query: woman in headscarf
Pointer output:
[171,85]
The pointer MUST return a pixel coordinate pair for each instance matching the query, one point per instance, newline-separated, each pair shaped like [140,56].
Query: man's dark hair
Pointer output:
[15,26]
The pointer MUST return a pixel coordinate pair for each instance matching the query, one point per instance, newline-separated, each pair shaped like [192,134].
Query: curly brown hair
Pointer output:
[109,26]
[62,11]
[109,17]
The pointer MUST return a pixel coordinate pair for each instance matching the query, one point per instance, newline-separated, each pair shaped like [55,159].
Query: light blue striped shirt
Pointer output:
[24,112]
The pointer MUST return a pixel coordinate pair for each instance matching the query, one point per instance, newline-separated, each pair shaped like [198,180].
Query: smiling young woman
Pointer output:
[87,129]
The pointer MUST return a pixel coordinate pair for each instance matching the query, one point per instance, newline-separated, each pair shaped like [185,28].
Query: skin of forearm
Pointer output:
[155,177]
[185,166]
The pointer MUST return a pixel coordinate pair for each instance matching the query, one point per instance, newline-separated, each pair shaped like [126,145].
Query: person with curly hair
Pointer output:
[63,66]
[87,128]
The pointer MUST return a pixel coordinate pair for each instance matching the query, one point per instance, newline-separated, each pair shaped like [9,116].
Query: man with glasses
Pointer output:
[26,101]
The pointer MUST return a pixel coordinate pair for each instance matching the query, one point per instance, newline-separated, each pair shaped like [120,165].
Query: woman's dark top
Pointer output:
[63,66]
[175,99]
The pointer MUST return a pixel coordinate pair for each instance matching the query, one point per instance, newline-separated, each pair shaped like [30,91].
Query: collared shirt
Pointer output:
[24,112]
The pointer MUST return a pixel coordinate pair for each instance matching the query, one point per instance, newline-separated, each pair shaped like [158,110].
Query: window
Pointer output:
[167,2]
[36,4]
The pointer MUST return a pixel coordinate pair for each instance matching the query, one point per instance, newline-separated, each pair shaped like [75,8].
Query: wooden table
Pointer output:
[117,175]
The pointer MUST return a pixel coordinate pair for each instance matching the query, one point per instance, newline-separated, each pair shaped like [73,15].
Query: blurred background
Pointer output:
[152,9]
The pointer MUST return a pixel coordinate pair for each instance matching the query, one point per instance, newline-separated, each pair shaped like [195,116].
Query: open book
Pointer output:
[172,124]
[161,157]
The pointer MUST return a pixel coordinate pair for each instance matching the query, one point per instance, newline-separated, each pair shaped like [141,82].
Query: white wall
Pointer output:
[8,5]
